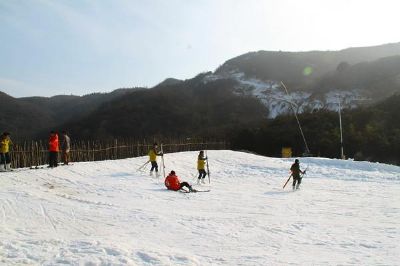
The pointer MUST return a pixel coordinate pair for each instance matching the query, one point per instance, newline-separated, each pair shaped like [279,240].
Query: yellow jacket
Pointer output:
[201,162]
[153,155]
[5,145]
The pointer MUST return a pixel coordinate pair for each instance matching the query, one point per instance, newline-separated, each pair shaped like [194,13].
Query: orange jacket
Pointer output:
[53,143]
[172,182]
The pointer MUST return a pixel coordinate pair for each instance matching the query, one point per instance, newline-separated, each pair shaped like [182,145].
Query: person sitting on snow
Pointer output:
[172,182]
[296,174]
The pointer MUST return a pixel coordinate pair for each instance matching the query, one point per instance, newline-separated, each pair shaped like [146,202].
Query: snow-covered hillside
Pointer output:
[109,213]
[273,96]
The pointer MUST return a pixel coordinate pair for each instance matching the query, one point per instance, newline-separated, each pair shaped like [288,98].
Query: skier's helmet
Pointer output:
[172,172]
[296,161]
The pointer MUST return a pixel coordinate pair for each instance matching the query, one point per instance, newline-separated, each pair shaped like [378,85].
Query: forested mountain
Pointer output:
[21,118]
[242,93]
[187,109]
[376,79]
[300,69]
[315,79]
[31,117]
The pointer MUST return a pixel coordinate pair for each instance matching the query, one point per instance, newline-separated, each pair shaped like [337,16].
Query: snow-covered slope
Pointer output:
[109,213]
[274,97]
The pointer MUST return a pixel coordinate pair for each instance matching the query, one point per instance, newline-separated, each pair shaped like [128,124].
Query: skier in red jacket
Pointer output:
[172,182]
[53,149]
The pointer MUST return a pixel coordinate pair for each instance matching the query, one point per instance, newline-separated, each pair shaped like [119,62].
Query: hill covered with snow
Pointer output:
[109,213]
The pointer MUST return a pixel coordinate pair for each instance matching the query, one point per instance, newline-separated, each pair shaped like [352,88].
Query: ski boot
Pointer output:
[8,167]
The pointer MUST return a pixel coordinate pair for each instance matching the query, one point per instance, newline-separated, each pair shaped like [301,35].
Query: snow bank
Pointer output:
[109,213]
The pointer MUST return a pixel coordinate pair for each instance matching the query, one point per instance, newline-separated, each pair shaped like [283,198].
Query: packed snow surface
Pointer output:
[109,213]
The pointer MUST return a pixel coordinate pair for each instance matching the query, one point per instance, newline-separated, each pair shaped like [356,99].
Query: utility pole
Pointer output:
[341,131]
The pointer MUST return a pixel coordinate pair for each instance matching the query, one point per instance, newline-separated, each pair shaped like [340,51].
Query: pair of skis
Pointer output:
[194,191]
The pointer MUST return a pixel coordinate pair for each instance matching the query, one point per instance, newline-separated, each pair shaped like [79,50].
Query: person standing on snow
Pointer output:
[65,147]
[296,174]
[53,149]
[5,160]
[172,182]
[201,161]
[153,153]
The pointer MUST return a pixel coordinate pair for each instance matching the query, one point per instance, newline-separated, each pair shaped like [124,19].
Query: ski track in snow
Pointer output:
[109,213]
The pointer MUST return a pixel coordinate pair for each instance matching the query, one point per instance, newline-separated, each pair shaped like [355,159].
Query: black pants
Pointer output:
[202,173]
[297,179]
[5,158]
[154,165]
[53,159]
[186,184]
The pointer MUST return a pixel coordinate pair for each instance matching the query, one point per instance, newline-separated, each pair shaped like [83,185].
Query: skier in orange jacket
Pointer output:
[172,182]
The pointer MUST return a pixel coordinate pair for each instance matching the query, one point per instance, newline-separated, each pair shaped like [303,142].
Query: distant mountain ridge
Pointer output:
[29,116]
[289,66]
[316,79]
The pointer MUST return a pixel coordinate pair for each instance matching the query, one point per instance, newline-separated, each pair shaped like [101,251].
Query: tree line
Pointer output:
[369,133]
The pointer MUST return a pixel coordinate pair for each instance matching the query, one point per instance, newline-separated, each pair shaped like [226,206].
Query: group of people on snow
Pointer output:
[54,148]
[172,181]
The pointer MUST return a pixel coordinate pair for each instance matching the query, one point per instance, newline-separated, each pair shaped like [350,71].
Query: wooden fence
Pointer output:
[35,153]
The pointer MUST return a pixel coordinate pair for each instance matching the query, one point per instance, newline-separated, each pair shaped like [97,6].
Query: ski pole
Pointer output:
[141,167]
[162,159]
[208,170]
[287,181]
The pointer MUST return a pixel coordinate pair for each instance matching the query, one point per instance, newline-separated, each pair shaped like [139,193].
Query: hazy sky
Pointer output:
[78,47]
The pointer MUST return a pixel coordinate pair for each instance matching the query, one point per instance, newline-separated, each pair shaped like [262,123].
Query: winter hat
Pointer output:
[172,172]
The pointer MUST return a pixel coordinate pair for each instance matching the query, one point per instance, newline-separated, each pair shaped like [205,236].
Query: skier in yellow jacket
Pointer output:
[5,160]
[153,153]
[201,161]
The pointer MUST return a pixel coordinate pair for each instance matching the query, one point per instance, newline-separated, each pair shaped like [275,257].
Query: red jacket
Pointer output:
[53,143]
[172,182]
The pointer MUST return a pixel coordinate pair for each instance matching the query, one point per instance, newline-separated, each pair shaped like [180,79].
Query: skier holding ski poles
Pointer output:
[201,161]
[295,169]
[5,160]
[153,153]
